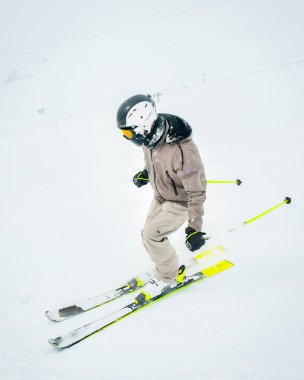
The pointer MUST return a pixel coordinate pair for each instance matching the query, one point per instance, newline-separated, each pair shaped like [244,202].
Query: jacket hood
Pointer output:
[179,129]
[168,128]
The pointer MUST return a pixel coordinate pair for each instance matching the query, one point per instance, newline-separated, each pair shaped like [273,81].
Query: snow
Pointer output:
[70,216]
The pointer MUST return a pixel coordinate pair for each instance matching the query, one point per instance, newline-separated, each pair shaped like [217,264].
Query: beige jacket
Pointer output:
[176,173]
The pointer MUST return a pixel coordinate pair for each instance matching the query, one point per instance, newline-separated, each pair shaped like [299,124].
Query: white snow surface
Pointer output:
[70,216]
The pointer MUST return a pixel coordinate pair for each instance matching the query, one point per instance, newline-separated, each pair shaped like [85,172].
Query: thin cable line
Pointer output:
[231,77]
[112,29]
[98,109]
[249,73]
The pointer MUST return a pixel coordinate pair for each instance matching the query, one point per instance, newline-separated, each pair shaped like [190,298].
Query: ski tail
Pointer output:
[100,324]
[58,315]
[71,310]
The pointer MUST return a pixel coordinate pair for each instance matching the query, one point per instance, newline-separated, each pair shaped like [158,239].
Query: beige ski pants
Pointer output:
[162,220]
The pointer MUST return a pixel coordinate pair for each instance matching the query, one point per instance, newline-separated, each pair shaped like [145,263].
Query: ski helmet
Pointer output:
[135,118]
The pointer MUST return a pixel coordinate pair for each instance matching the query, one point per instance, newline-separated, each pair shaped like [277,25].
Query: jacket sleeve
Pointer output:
[190,170]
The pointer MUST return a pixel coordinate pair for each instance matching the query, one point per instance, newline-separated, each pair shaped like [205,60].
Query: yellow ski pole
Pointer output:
[287,200]
[221,249]
[236,182]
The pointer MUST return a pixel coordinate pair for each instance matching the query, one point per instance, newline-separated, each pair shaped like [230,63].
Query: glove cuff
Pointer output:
[189,230]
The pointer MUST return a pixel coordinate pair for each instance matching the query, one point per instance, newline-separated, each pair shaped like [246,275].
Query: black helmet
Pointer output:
[135,118]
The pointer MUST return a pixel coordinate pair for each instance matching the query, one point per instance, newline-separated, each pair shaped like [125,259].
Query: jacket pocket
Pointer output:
[173,183]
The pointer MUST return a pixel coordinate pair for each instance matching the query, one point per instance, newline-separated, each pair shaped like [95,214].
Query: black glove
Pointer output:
[141,178]
[194,239]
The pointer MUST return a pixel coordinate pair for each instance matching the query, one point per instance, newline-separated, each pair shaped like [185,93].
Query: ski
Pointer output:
[100,324]
[82,306]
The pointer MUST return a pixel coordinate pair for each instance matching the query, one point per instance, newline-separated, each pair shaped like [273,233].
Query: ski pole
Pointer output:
[236,182]
[287,200]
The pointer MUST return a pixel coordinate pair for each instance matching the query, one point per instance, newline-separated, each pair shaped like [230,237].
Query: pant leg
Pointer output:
[163,220]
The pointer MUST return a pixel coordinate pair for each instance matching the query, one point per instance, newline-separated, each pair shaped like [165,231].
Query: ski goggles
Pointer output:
[127,133]
[131,134]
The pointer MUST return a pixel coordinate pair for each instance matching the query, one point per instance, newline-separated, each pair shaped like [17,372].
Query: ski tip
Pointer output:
[217,268]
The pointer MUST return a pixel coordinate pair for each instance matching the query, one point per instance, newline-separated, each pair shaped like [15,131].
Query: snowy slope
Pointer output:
[70,217]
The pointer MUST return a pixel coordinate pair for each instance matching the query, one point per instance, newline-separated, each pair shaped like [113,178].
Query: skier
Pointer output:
[175,171]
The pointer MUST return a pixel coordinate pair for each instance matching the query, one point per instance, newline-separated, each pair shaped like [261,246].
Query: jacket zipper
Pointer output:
[182,154]
[173,183]
[155,176]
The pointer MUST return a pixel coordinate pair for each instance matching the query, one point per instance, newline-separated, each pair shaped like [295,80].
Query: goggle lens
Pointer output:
[127,133]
